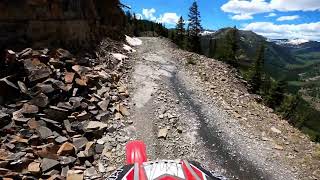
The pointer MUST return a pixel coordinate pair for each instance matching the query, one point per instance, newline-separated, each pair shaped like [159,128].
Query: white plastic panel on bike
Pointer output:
[157,169]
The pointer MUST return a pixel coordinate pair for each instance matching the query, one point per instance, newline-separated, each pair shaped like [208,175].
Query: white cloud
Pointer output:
[241,17]
[148,14]
[295,5]
[288,18]
[308,31]
[169,18]
[246,7]
[251,7]
[271,15]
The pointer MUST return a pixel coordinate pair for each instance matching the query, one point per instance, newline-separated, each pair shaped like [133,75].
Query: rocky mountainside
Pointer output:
[279,54]
[68,23]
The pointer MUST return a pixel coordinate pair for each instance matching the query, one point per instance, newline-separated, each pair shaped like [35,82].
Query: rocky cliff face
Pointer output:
[43,23]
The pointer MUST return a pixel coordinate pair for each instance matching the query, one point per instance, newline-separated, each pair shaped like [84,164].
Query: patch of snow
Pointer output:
[294,42]
[204,33]
[119,56]
[128,48]
[297,41]
[133,41]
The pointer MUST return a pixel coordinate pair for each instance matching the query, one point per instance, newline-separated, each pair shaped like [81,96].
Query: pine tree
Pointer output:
[212,47]
[136,31]
[289,106]
[256,73]
[277,94]
[194,28]
[180,32]
[194,20]
[152,29]
[265,85]
[172,35]
[232,47]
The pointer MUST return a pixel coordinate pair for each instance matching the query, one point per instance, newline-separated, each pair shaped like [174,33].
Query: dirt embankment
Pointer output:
[67,23]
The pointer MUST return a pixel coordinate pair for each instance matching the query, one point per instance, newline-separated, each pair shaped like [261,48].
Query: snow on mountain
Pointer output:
[206,32]
[294,42]
[297,41]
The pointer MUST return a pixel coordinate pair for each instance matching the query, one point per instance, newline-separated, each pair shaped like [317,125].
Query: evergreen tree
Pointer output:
[194,28]
[232,47]
[256,73]
[180,32]
[277,94]
[135,27]
[136,31]
[152,29]
[194,20]
[129,17]
[289,106]
[172,35]
[212,47]
[265,85]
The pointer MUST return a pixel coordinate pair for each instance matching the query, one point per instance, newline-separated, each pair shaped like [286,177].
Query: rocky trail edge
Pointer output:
[187,106]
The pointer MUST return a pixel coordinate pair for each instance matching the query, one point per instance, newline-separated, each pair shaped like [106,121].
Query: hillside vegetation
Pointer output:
[295,66]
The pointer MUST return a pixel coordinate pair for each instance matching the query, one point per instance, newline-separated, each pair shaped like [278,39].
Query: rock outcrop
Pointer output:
[67,23]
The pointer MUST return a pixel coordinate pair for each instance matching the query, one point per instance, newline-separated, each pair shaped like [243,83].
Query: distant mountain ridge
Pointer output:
[279,54]
[293,42]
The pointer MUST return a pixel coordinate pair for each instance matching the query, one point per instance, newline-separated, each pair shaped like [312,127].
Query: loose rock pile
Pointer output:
[60,114]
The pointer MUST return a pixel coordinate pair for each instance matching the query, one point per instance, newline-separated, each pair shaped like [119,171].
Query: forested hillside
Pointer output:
[290,70]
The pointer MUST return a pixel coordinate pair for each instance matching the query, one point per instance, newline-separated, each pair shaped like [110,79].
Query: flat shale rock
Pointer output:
[91,173]
[75,175]
[29,109]
[44,88]
[68,77]
[80,142]
[48,164]
[123,110]
[19,117]
[89,150]
[36,69]
[34,168]
[66,160]
[41,100]
[96,125]
[61,139]
[66,149]
[80,70]
[104,104]
[55,113]
[44,132]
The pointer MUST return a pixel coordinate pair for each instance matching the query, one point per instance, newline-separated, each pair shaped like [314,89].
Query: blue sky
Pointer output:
[272,18]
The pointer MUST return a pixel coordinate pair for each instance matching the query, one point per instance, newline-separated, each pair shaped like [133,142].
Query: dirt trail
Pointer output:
[166,97]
